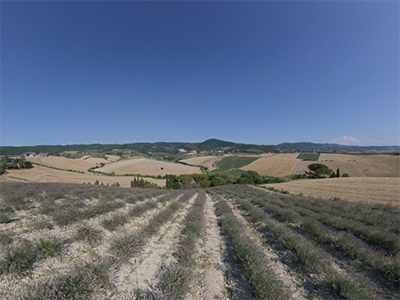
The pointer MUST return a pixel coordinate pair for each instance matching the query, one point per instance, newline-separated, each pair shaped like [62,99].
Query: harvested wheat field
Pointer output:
[45,174]
[364,165]
[78,164]
[205,161]
[147,167]
[65,241]
[283,164]
[369,190]
[277,165]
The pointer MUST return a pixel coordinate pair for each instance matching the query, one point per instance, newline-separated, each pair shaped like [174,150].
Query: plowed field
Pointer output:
[64,241]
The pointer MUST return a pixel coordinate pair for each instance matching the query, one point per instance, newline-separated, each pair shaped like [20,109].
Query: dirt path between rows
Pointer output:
[211,265]
[76,253]
[141,271]
[281,271]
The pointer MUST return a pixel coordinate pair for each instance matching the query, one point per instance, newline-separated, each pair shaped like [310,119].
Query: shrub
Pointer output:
[5,238]
[49,246]
[79,284]
[89,234]
[19,259]
[5,217]
[43,225]
[217,181]
[112,223]
[205,183]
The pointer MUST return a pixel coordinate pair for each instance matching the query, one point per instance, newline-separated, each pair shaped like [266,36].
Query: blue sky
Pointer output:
[261,72]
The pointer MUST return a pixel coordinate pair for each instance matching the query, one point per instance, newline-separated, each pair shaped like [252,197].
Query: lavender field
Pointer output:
[70,241]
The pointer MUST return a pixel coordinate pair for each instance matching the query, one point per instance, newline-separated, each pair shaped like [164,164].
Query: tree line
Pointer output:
[13,163]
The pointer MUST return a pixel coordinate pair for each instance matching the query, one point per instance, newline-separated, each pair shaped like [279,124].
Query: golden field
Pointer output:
[368,190]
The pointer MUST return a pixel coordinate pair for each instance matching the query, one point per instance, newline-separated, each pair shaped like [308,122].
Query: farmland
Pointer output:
[284,164]
[68,241]
[147,167]
[46,174]
[309,156]
[234,162]
[369,190]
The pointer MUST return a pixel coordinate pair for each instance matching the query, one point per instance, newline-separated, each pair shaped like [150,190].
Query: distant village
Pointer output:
[41,154]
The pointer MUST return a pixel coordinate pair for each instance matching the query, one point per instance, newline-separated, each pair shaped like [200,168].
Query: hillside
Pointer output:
[309,147]
[168,150]
[163,149]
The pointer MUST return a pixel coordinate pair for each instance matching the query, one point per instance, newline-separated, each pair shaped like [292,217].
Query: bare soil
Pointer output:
[211,265]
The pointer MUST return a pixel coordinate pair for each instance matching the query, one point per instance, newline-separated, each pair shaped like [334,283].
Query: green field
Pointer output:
[234,162]
[237,172]
[309,156]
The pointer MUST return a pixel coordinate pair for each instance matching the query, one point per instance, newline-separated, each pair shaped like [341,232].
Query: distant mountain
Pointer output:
[309,147]
[211,144]
[208,145]
[215,144]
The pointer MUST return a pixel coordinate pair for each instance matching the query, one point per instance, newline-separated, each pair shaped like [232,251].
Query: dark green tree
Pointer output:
[250,177]
[205,183]
[216,181]
[318,170]
[171,182]
[186,180]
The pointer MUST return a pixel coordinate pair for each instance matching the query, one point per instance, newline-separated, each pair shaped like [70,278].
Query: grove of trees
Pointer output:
[13,163]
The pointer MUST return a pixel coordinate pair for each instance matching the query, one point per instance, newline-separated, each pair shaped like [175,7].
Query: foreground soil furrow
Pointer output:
[336,282]
[86,242]
[356,249]
[140,271]
[280,270]
[211,265]
[175,279]
[76,252]
[28,230]
[258,271]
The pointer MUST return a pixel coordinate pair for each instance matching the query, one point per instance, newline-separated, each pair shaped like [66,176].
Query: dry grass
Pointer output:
[60,162]
[284,164]
[206,161]
[147,167]
[369,190]
[43,174]
[363,165]
[273,166]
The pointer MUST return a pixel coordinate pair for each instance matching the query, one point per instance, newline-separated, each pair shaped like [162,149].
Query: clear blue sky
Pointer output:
[261,72]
